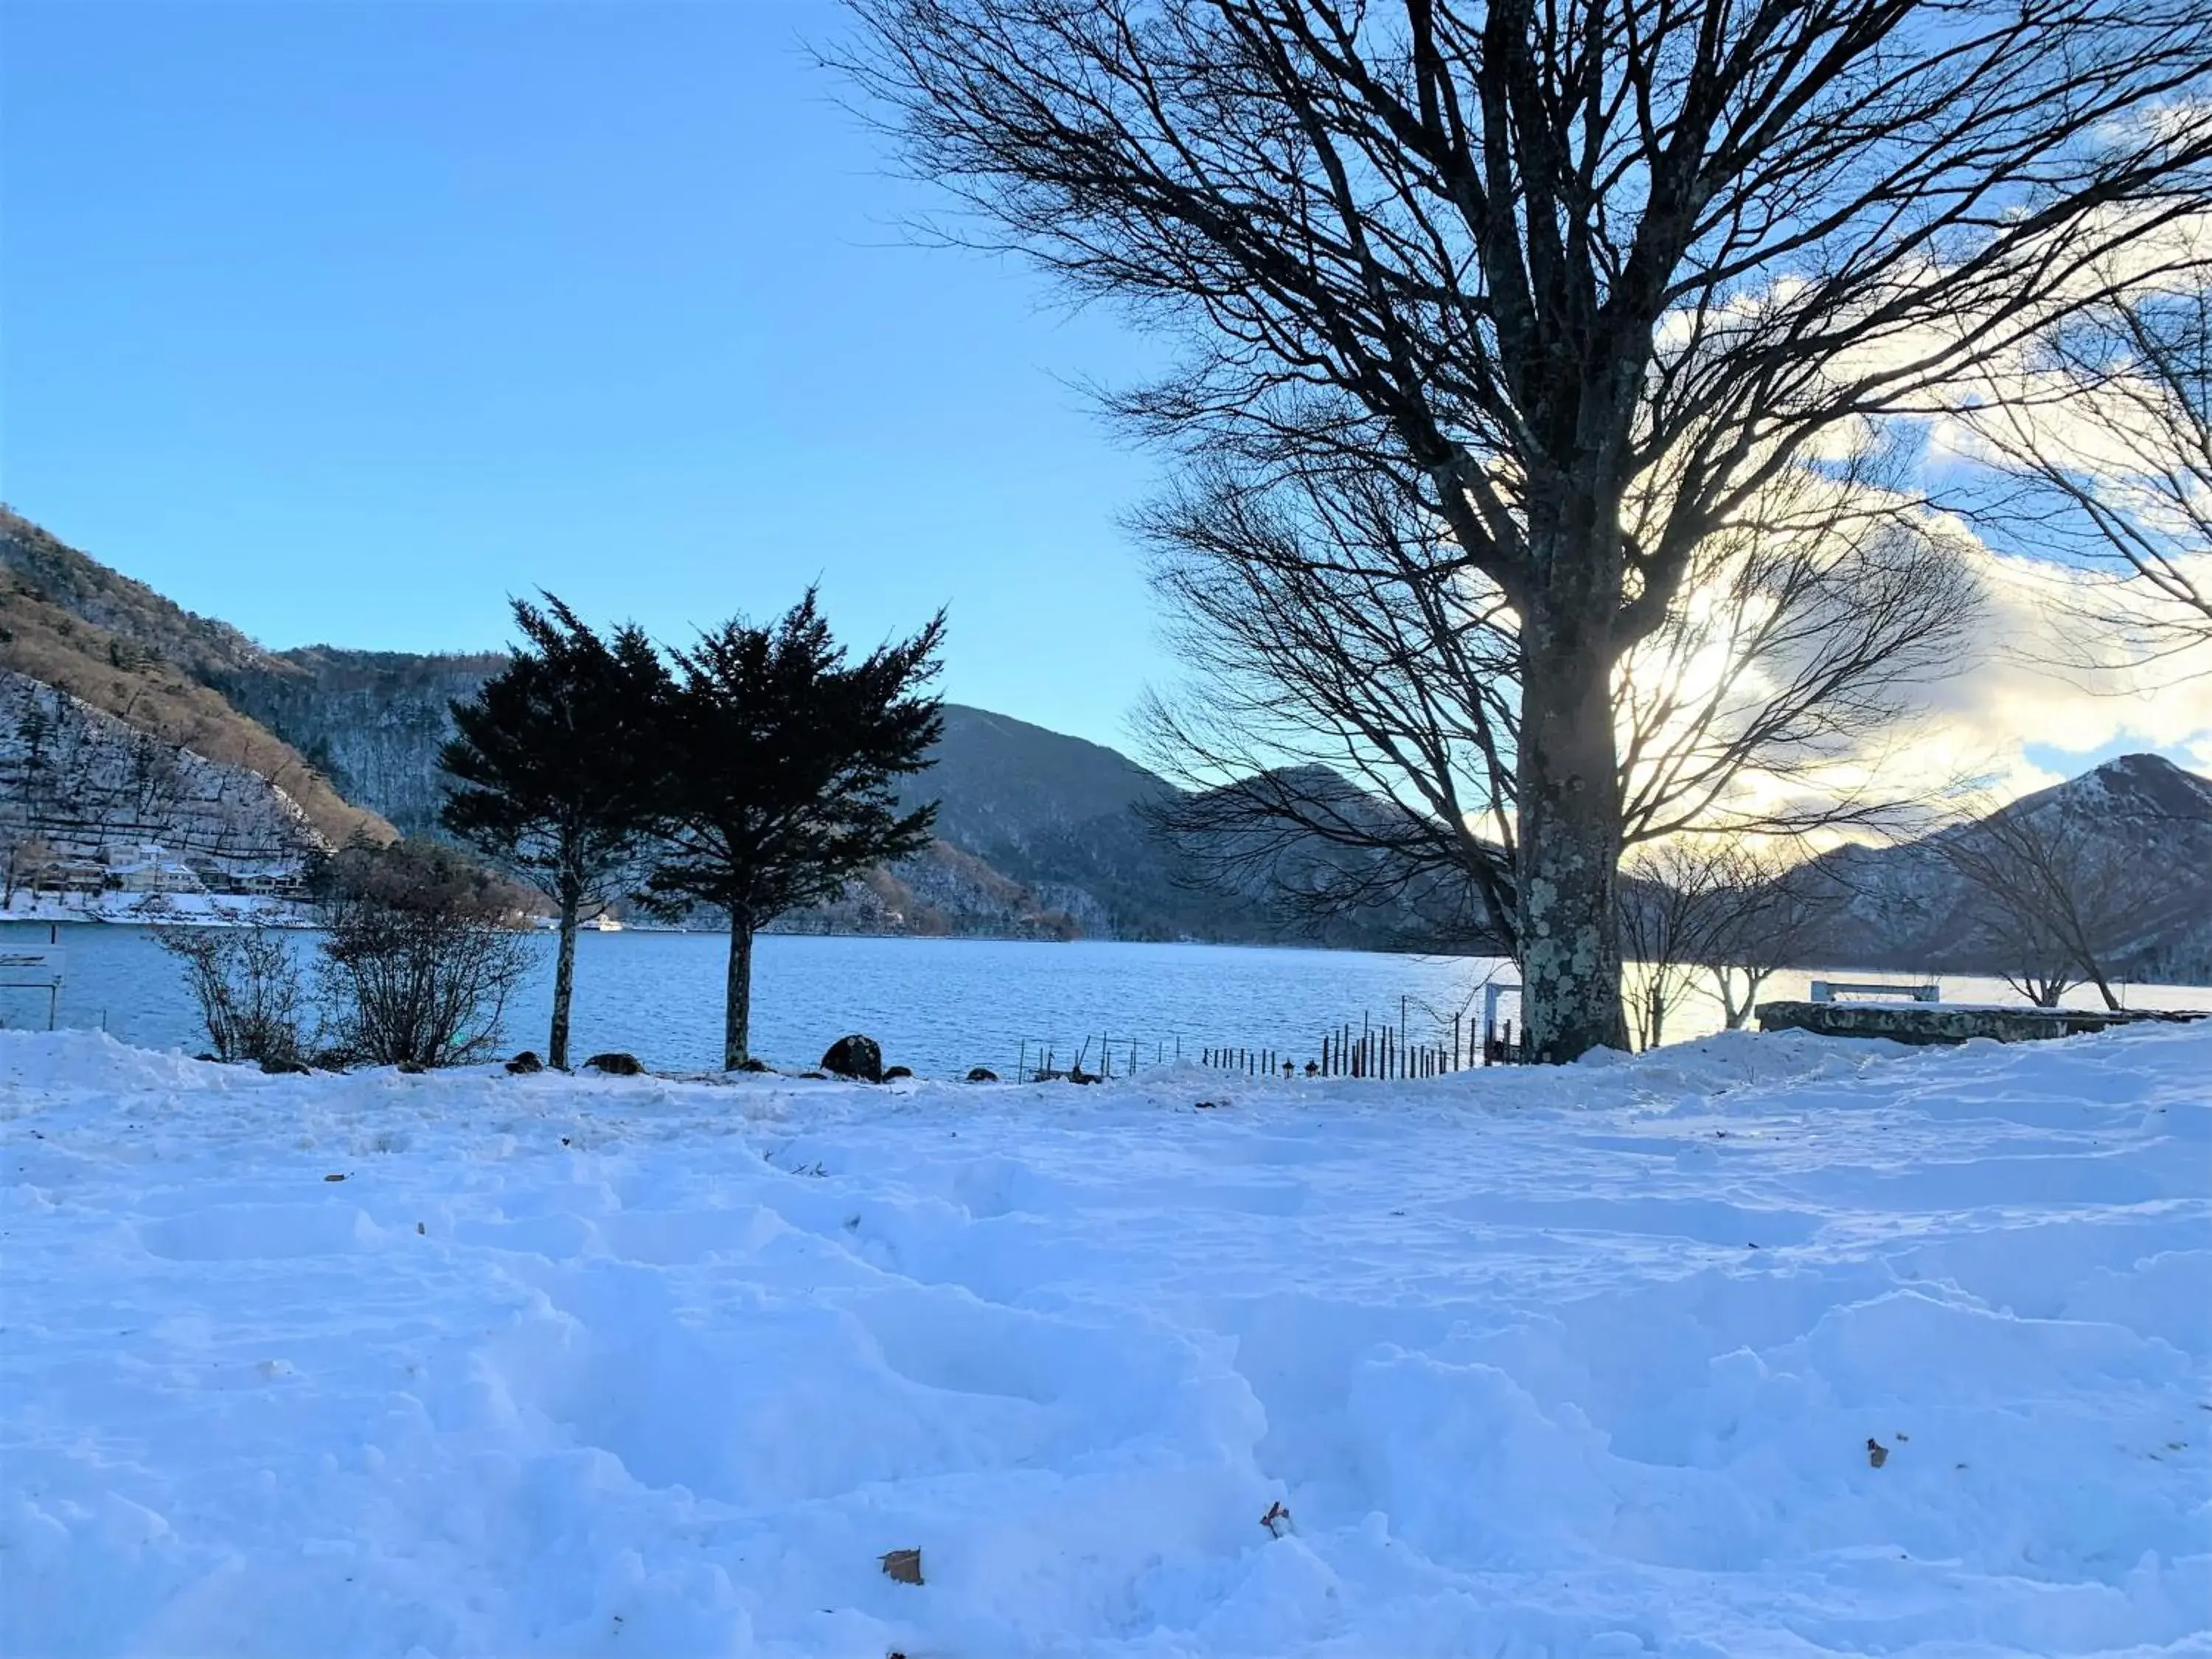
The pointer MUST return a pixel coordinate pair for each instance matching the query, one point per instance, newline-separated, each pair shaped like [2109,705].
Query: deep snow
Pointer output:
[1576,1363]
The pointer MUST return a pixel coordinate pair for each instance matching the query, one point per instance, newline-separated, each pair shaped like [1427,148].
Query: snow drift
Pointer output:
[1763,1345]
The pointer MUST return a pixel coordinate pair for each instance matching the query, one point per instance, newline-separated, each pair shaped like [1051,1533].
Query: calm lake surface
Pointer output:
[938,1005]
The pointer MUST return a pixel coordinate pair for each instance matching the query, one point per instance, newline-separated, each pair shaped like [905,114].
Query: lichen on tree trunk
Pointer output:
[1569,850]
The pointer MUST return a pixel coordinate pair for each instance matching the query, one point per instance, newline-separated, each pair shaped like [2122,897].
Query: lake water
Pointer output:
[938,1005]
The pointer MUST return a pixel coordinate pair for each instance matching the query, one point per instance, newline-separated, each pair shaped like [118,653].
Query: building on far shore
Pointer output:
[150,867]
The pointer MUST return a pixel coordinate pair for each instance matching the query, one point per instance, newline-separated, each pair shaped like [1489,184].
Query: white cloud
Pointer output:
[2045,689]
[2044,672]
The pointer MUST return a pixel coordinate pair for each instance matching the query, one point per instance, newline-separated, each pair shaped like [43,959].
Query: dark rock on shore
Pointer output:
[855,1056]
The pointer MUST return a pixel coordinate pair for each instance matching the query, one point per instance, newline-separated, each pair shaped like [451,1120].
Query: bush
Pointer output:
[248,985]
[422,952]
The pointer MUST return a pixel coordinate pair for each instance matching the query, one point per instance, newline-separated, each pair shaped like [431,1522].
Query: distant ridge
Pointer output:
[1906,907]
[70,622]
[1042,834]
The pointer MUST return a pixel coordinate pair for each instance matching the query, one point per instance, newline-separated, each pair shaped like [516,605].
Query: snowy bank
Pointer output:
[1775,1345]
[159,909]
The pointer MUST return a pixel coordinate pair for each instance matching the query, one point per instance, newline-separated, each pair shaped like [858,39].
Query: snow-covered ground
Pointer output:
[204,910]
[1759,1347]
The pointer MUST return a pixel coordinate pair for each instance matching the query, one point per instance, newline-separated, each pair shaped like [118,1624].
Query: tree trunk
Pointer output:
[564,983]
[2104,986]
[1734,1011]
[1569,847]
[738,995]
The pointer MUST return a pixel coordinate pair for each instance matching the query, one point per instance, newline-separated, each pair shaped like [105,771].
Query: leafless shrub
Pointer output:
[421,955]
[250,988]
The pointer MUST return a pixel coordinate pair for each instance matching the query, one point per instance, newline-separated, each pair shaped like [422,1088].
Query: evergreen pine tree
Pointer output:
[780,765]
[553,760]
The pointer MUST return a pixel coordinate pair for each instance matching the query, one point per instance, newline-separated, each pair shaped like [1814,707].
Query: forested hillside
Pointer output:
[1040,834]
[71,623]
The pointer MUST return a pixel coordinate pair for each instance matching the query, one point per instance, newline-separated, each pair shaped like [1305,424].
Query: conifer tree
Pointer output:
[553,760]
[780,766]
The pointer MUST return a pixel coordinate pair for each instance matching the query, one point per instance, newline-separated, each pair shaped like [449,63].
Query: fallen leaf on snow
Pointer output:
[903,1566]
[1877,1454]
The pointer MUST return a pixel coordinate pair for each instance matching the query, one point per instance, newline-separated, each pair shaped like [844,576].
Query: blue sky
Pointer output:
[345,321]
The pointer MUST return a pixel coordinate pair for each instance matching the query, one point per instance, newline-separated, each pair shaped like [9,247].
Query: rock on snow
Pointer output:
[1578,1363]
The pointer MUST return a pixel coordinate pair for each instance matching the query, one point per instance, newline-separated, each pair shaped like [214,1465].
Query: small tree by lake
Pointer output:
[422,952]
[779,765]
[1729,905]
[2058,902]
[551,758]
[249,987]
[1769,914]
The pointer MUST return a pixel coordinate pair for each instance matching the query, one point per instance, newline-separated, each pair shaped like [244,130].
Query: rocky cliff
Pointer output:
[82,791]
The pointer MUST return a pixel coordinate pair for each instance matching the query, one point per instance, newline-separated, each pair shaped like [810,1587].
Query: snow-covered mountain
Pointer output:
[1909,906]
[85,800]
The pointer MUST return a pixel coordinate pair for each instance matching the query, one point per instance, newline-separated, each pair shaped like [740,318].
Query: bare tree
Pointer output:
[1345,729]
[2058,900]
[249,987]
[1591,276]
[1770,912]
[1351,691]
[1736,907]
[2105,429]
[1668,907]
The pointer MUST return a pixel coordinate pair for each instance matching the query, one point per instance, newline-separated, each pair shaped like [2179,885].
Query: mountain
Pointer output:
[371,721]
[67,621]
[83,792]
[2140,816]
[1039,833]
[1067,818]
[53,572]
